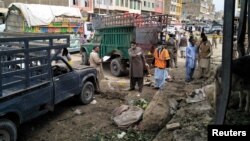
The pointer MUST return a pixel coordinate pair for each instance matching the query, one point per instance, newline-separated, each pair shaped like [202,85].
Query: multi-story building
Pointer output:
[48,2]
[84,5]
[148,7]
[104,6]
[117,6]
[198,9]
[211,10]
[135,6]
[173,8]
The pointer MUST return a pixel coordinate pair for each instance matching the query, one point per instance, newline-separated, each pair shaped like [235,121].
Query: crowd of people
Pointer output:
[197,51]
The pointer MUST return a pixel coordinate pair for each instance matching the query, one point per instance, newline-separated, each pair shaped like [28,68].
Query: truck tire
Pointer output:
[116,67]
[87,93]
[8,130]
[85,59]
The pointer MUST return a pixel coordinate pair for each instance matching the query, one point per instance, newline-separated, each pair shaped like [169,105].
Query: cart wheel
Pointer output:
[87,93]
[116,67]
[85,60]
[8,130]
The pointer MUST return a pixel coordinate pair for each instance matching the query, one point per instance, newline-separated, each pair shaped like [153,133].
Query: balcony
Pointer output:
[103,4]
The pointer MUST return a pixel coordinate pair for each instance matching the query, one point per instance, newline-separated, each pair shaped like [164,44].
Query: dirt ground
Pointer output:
[73,122]
[94,120]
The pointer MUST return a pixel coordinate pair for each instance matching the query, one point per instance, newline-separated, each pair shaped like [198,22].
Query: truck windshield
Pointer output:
[89,27]
[97,39]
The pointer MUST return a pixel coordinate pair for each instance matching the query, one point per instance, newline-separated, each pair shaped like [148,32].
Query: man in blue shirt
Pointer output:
[191,52]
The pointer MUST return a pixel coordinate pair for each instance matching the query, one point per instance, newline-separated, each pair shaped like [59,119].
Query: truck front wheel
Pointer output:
[8,130]
[116,67]
[85,60]
[87,93]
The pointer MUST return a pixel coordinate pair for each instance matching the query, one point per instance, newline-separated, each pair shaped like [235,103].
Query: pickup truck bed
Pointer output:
[34,78]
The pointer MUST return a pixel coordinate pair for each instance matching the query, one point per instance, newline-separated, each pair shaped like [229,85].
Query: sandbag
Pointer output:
[119,110]
[128,117]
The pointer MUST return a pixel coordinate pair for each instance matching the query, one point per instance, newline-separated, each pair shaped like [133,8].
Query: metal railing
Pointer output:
[130,19]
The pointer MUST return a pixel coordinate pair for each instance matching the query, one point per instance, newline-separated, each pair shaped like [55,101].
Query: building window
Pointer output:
[75,2]
[153,5]
[126,3]
[157,5]
[86,3]
[145,3]
[131,4]
[117,2]
[98,1]
[122,2]
[139,5]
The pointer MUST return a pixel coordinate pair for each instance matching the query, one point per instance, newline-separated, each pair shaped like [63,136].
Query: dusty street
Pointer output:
[73,122]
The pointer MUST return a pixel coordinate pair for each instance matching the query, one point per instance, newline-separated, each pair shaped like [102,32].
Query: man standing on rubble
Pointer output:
[137,64]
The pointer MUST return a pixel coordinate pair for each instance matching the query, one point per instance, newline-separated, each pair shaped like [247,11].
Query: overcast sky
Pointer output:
[219,5]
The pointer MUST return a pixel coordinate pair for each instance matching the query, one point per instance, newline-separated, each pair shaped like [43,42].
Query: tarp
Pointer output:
[3,10]
[36,14]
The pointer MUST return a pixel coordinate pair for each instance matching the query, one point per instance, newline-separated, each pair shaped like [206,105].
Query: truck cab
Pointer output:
[33,79]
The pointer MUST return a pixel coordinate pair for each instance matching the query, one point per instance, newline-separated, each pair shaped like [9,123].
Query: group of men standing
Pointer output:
[138,64]
[200,51]
[165,55]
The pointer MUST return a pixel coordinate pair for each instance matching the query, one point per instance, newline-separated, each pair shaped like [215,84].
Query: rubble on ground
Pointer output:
[189,123]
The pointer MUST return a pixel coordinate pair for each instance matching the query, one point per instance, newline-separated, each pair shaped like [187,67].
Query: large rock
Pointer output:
[157,113]
[193,119]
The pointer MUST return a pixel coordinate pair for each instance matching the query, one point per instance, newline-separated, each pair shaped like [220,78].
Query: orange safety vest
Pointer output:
[161,57]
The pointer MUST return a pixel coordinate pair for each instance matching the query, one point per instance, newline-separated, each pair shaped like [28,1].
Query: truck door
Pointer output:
[65,80]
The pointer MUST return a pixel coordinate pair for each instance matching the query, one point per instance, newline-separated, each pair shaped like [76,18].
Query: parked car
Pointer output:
[215,29]
[207,29]
[170,29]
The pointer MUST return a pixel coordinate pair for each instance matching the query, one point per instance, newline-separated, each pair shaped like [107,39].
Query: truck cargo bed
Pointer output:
[25,60]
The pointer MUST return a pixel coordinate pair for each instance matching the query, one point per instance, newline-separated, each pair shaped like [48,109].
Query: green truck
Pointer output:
[113,35]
